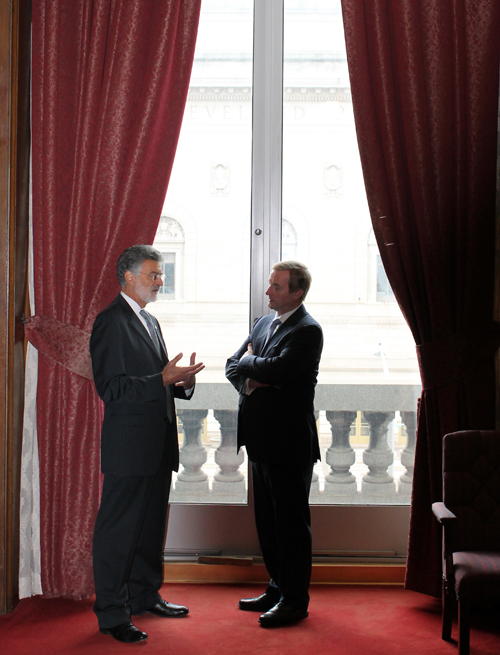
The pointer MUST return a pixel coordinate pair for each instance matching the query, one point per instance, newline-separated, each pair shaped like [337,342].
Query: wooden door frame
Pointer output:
[15,37]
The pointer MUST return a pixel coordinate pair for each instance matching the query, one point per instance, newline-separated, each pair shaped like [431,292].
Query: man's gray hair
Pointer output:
[133,258]
[300,278]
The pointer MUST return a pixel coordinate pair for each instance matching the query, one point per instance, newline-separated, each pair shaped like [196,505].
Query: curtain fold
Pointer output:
[65,344]
[110,80]
[424,82]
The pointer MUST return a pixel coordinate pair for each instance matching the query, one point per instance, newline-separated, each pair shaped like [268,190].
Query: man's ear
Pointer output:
[129,277]
[299,293]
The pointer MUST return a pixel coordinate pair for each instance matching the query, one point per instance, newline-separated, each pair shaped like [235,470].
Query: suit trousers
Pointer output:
[283,521]
[128,544]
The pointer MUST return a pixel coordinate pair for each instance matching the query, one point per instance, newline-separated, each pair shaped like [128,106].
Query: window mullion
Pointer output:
[267,148]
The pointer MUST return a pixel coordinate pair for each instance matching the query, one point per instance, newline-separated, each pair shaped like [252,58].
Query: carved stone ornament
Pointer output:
[332,178]
[219,179]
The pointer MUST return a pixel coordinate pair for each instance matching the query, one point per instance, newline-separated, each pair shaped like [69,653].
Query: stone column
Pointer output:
[408,453]
[378,457]
[340,456]
[229,481]
[191,481]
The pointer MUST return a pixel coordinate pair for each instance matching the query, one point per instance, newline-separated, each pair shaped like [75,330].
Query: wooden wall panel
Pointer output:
[497,269]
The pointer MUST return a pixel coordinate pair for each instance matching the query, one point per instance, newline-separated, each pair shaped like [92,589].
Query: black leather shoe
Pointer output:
[169,610]
[127,633]
[282,614]
[258,604]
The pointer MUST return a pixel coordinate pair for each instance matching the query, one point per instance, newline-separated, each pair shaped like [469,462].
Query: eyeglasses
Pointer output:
[154,276]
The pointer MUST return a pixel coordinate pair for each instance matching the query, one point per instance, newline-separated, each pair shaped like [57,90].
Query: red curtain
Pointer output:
[110,80]
[424,79]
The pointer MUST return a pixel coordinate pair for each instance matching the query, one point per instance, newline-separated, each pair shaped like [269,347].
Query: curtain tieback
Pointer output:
[454,357]
[65,344]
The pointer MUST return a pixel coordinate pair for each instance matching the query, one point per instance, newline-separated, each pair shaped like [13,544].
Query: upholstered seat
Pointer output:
[470,516]
[477,574]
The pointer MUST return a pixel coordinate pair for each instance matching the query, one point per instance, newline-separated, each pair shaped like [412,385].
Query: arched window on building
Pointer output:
[379,288]
[288,241]
[170,242]
[384,289]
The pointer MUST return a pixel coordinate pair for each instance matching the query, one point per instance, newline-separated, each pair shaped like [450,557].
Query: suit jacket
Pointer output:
[127,374]
[277,423]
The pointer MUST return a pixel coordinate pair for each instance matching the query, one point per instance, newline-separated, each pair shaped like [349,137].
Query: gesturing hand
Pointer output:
[181,376]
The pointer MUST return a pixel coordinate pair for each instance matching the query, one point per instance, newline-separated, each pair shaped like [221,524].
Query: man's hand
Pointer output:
[253,384]
[249,351]
[181,376]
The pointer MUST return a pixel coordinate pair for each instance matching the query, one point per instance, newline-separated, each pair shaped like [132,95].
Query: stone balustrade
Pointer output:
[377,472]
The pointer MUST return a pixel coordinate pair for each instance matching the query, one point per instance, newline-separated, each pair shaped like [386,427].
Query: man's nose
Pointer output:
[268,290]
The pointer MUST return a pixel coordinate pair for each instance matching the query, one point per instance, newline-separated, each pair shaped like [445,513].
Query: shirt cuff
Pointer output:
[247,389]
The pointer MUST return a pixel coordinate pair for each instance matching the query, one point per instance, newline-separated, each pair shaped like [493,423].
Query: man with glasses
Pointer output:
[139,449]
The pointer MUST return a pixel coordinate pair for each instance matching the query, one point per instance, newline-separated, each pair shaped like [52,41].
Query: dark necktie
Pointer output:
[272,328]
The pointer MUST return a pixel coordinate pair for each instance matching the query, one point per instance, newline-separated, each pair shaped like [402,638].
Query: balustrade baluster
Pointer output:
[378,457]
[340,456]
[191,481]
[408,453]
[229,481]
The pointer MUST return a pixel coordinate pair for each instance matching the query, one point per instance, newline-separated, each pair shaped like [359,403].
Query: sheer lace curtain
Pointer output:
[30,578]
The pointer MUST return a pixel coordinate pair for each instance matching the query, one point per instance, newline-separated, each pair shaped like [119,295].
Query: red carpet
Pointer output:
[343,621]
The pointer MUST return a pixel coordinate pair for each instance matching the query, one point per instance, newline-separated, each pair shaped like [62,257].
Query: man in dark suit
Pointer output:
[139,448]
[275,371]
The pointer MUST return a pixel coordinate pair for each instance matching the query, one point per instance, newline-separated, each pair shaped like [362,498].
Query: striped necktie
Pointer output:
[156,343]
[152,330]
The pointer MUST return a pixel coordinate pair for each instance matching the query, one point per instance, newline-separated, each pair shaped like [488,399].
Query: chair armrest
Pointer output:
[447,519]
[442,513]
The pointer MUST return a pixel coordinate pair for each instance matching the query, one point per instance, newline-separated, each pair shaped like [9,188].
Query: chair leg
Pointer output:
[448,605]
[463,628]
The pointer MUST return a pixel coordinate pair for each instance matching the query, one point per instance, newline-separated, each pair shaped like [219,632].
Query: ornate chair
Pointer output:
[470,516]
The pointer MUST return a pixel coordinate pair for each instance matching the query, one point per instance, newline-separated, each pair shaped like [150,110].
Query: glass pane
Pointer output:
[384,290]
[369,380]
[168,268]
[204,233]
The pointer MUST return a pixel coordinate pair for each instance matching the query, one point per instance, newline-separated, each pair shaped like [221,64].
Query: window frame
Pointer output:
[267,148]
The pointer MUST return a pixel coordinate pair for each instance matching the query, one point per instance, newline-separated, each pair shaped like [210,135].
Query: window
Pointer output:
[379,289]
[267,167]
[170,241]
[384,290]
[288,240]
[167,291]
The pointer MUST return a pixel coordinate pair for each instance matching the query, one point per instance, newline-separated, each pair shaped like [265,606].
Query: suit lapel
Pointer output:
[136,325]
[284,328]
[261,337]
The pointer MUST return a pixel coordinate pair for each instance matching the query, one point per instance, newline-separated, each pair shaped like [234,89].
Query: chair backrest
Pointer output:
[471,487]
